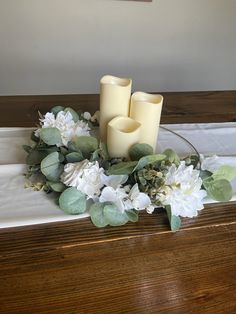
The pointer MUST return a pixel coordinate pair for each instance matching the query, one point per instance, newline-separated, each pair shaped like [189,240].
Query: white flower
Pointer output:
[65,124]
[85,176]
[116,196]
[210,163]
[86,115]
[80,128]
[124,198]
[139,200]
[114,181]
[182,191]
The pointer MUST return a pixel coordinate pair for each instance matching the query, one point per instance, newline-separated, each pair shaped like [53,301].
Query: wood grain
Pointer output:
[73,267]
[178,107]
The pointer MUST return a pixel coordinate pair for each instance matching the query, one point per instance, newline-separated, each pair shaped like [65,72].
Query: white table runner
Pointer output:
[22,207]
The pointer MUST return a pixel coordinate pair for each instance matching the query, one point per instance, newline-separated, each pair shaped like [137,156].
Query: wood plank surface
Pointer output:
[73,267]
[178,107]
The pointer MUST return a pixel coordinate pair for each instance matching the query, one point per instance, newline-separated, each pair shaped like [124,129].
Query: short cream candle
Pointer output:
[115,96]
[146,109]
[122,133]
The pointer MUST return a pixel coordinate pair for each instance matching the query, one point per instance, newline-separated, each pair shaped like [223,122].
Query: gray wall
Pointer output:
[65,46]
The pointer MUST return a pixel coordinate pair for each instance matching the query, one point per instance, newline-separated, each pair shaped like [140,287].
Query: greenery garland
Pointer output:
[65,159]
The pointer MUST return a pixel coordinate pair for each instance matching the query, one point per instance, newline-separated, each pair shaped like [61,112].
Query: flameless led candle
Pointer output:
[122,133]
[115,95]
[146,109]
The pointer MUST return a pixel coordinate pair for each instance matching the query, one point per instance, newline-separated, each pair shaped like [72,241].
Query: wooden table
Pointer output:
[73,267]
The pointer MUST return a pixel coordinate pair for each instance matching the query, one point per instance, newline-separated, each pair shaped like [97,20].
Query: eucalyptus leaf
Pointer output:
[114,216]
[171,156]
[125,167]
[147,160]
[174,221]
[138,151]
[74,114]
[56,186]
[51,136]
[51,167]
[225,172]
[104,151]
[27,148]
[74,157]
[97,215]
[35,157]
[72,201]
[220,190]
[204,174]
[132,215]
[56,109]
[86,145]
[34,138]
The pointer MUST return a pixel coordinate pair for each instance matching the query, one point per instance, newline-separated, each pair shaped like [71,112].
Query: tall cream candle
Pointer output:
[146,109]
[122,133]
[115,95]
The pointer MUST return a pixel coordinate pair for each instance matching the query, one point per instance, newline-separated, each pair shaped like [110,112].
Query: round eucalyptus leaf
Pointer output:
[147,160]
[74,157]
[174,221]
[125,167]
[74,114]
[220,190]
[72,201]
[86,145]
[35,157]
[50,136]
[57,186]
[114,216]
[97,215]
[171,156]
[51,167]
[138,151]
[55,110]
[132,215]
[225,172]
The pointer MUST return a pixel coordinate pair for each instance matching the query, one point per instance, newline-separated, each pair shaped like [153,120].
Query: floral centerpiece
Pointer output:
[68,159]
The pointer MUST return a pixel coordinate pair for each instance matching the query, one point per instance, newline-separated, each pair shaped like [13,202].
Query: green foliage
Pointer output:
[132,215]
[72,201]
[138,151]
[97,215]
[74,114]
[219,189]
[56,109]
[27,148]
[74,157]
[50,136]
[171,156]
[225,172]
[147,160]
[103,214]
[84,144]
[56,186]
[125,167]
[35,157]
[174,221]
[51,166]
[114,216]
[34,138]
[204,174]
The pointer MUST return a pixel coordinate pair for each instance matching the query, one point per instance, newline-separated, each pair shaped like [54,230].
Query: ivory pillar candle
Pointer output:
[115,95]
[146,109]
[122,133]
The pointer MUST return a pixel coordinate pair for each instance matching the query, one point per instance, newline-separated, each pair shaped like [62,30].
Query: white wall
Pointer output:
[65,46]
